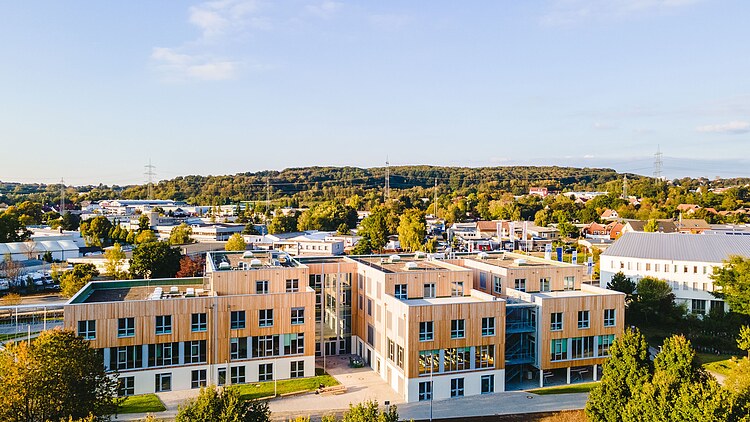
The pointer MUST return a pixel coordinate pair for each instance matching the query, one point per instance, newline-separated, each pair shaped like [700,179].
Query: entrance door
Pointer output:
[331,348]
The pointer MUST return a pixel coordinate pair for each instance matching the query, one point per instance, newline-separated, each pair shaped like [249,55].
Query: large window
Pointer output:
[457,359]
[391,350]
[126,386]
[400,356]
[294,344]
[559,349]
[126,357]
[569,283]
[457,387]
[520,284]
[485,356]
[457,328]
[699,306]
[265,346]
[583,347]
[198,378]
[198,322]
[605,342]
[265,372]
[370,335]
[425,390]
[298,316]
[425,331]
[429,290]
[292,285]
[556,321]
[488,326]
[497,284]
[583,319]
[221,379]
[163,382]
[609,317]
[544,284]
[261,287]
[126,327]
[265,318]
[163,354]
[195,351]
[400,291]
[488,384]
[164,324]
[238,348]
[237,374]
[87,329]
[457,288]
[297,369]
[237,320]
[483,281]
[429,361]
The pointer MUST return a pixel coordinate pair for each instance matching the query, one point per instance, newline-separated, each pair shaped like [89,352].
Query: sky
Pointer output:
[91,91]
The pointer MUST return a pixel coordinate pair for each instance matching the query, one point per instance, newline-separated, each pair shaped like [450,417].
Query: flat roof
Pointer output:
[452,300]
[250,260]
[132,290]
[408,263]
[508,260]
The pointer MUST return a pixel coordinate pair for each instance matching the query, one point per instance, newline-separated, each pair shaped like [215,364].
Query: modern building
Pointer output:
[474,324]
[685,261]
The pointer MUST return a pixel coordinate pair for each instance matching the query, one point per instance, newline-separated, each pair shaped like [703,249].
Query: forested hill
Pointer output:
[323,183]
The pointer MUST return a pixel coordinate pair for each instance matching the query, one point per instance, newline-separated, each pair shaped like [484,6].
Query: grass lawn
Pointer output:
[265,389]
[721,364]
[5,337]
[564,389]
[144,403]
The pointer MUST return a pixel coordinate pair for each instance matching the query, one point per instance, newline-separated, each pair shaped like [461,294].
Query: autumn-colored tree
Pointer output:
[235,243]
[114,260]
[191,267]
[180,235]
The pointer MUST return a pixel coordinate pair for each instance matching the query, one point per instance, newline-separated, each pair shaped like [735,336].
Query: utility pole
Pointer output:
[624,186]
[387,180]
[62,197]
[436,203]
[150,173]
[658,163]
[268,196]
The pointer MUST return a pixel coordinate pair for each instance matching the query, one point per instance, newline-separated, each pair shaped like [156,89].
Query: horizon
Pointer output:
[93,91]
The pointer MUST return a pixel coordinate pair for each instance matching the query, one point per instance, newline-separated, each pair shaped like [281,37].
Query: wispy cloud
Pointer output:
[567,12]
[734,128]
[176,66]
[218,17]
[326,10]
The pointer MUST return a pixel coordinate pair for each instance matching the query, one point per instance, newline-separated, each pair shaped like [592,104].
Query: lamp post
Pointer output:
[432,387]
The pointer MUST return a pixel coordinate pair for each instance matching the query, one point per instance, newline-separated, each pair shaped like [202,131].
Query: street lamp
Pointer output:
[432,387]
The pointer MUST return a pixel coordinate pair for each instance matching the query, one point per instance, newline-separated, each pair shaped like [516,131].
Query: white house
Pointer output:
[685,261]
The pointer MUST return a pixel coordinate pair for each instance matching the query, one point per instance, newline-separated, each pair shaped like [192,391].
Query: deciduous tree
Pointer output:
[114,260]
[155,260]
[412,230]
[624,284]
[180,235]
[733,280]
[191,267]
[235,243]
[224,405]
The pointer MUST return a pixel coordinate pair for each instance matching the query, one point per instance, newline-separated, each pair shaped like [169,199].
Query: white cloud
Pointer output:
[218,17]
[567,12]
[588,156]
[176,66]
[734,127]
[389,22]
[325,10]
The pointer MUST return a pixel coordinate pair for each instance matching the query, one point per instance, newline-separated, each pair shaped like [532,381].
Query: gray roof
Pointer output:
[679,247]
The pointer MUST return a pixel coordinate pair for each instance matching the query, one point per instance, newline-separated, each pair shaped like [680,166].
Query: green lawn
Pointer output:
[564,389]
[5,337]
[145,403]
[265,389]
[721,364]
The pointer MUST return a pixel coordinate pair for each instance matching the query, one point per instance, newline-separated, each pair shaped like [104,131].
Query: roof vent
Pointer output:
[247,254]
[419,255]
[394,258]
[224,266]
[519,262]
[483,255]
[254,263]
[411,266]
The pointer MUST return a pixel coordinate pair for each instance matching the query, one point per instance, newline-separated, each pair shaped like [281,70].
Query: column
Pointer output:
[568,372]
[595,374]
[541,378]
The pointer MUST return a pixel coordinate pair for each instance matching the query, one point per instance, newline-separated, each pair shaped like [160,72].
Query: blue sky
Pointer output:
[92,90]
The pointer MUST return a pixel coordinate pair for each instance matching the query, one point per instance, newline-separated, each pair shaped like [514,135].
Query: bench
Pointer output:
[294,393]
[336,389]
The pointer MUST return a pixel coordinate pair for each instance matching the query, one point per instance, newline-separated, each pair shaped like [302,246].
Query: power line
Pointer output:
[62,197]
[150,173]
[658,163]
[387,191]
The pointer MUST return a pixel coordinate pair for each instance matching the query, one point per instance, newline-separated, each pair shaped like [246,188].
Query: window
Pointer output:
[400,291]
[457,328]
[429,361]
[556,321]
[87,329]
[297,369]
[497,284]
[298,316]
[559,349]
[195,351]
[237,320]
[583,319]
[457,288]
[488,384]
[609,317]
[391,350]
[265,372]
[485,356]
[265,346]
[164,324]
[429,290]
[425,331]
[656,268]
[265,318]
[361,302]
[425,390]
[583,347]
[520,284]
[222,376]
[163,382]
[666,268]
[163,354]
[238,348]
[400,356]
[261,287]
[198,322]
[684,269]
[457,359]
[457,387]
[369,307]
[294,344]
[544,284]
[126,386]
[237,374]
[605,342]
[126,327]
[370,335]
[292,285]
[483,281]
[648,266]
[699,307]
[126,357]
[198,378]
[569,283]
[488,326]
